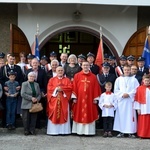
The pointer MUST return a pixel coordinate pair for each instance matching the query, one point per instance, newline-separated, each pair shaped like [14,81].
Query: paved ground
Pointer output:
[15,140]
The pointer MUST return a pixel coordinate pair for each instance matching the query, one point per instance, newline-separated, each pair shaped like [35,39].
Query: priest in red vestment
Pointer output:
[86,92]
[142,103]
[59,91]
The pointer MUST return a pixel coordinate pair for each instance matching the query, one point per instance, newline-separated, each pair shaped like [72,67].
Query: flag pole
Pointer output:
[35,47]
[146,49]
[100,29]
[148,34]
[99,58]
[37,29]
[101,41]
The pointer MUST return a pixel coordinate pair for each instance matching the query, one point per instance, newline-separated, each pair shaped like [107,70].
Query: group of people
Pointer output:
[75,93]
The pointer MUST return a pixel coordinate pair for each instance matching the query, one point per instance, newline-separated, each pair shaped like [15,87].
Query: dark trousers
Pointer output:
[29,120]
[11,103]
[108,123]
[4,111]
[42,114]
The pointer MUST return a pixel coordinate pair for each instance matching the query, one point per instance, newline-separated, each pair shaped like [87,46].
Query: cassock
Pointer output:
[85,89]
[58,106]
[142,102]
[125,118]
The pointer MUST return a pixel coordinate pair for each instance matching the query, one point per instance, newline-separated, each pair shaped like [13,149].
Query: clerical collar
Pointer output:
[86,72]
[60,77]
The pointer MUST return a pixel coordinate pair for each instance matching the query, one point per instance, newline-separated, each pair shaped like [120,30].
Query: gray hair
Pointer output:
[55,60]
[31,74]
[72,56]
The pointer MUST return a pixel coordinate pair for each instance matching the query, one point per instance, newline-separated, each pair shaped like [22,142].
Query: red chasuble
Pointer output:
[143,129]
[57,107]
[86,88]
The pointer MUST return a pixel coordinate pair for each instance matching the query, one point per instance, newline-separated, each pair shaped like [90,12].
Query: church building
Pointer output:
[74,26]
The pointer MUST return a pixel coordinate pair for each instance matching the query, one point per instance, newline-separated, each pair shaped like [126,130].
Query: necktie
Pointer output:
[11,67]
[43,67]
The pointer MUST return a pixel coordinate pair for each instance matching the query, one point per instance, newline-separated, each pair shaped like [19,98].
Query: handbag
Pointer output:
[36,107]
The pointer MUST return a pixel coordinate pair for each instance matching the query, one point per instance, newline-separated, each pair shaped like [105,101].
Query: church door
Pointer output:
[135,44]
[18,41]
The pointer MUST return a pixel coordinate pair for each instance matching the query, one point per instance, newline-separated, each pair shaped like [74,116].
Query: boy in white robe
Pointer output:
[125,117]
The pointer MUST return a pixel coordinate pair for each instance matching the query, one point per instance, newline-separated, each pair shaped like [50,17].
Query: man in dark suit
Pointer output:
[93,67]
[105,76]
[63,59]
[81,58]
[43,63]
[52,73]
[130,60]
[141,69]
[123,62]
[2,56]
[106,57]
[112,62]
[11,66]
[41,79]
[134,71]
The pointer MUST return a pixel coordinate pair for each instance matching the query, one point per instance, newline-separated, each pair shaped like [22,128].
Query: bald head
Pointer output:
[60,71]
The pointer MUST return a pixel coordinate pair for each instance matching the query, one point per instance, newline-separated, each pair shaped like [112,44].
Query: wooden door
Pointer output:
[135,44]
[18,41]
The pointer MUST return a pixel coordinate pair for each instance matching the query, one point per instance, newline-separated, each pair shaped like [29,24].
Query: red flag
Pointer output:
[100,58]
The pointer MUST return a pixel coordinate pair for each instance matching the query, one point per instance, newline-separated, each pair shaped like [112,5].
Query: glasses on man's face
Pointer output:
[106,59]
[131,60]
[133,69]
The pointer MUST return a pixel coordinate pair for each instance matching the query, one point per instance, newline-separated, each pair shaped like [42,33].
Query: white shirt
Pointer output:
[107,99]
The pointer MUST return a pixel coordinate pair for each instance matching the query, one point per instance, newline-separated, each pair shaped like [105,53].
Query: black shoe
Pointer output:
[105,134]
[9,127]
[110,134]
[26,133]
[32,133]
[132,136]
[13,127]
[120,135]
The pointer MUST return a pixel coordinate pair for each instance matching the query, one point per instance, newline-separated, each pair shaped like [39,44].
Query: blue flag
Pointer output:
[37,53]
[146,53]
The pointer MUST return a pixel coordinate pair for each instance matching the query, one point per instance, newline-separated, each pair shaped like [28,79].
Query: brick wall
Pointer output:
[8,14]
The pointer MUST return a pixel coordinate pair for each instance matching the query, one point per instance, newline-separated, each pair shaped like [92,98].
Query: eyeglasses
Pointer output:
[131,60]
